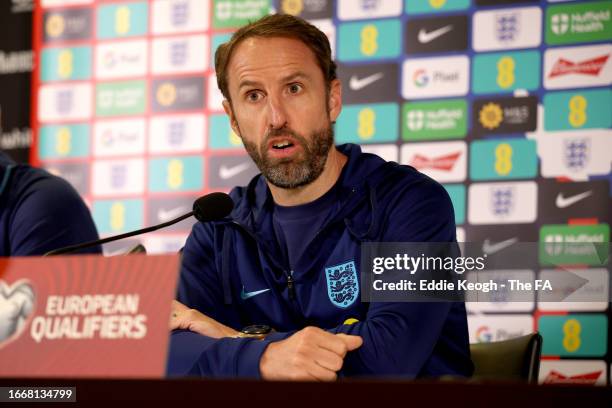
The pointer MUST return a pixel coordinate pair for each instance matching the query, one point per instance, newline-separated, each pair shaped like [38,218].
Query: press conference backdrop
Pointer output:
[507,103]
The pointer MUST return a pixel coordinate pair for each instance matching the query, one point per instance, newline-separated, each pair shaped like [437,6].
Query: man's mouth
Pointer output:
[281,145]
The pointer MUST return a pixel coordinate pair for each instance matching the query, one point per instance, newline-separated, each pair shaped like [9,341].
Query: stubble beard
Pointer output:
[297,171]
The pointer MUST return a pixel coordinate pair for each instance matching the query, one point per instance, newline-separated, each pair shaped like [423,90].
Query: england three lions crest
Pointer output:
[342,284]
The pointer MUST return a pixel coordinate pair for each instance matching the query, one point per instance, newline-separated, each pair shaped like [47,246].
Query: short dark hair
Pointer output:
[277,25]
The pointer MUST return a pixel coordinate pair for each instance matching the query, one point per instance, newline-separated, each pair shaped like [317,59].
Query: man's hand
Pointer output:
[312,354]
[183,317]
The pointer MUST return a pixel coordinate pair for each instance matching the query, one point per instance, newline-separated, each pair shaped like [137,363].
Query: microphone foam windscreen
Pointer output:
[213,206]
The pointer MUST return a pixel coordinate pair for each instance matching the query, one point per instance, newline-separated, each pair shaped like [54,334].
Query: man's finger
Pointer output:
[321,373]
[352,342]
[328,359]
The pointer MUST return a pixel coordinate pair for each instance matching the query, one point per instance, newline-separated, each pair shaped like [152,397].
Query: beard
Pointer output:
[289,173]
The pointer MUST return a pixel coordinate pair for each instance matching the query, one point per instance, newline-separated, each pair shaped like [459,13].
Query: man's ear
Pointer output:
[227,107]
[334,100]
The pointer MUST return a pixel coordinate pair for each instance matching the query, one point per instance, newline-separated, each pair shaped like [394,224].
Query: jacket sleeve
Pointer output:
[48,215]
[411,338]
[200,288]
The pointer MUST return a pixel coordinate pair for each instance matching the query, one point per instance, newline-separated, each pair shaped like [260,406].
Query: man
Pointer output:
[300,222]
[40,212]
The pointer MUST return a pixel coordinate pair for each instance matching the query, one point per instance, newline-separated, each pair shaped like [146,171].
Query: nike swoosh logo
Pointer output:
[226,172]
[427,37]
[489,248]
[247,295]
[563,202]
[164,215]
[356,84]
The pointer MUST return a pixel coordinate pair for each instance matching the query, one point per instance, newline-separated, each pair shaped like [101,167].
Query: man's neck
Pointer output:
[308,193]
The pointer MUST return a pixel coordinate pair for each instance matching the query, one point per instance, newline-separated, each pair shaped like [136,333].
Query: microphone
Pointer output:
[210,207]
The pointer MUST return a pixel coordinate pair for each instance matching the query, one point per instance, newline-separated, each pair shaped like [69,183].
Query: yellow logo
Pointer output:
[55,25]
[117,216]
[350,320]
[437,3]
[63,141]
[234,139]
[65,64]
[293,7]
[491,115]
[175,174]
[166,94]
[122,20]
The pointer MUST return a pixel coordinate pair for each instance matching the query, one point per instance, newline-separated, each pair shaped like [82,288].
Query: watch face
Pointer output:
[256,329]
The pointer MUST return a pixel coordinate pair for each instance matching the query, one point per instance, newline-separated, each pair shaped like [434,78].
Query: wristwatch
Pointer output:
[255,331]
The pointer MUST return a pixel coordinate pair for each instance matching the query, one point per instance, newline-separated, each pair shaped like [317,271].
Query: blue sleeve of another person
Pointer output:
[47,214]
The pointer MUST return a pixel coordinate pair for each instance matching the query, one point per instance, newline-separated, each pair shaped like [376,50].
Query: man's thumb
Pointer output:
[352,342]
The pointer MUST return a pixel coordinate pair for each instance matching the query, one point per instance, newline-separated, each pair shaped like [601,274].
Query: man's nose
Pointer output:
[277,116]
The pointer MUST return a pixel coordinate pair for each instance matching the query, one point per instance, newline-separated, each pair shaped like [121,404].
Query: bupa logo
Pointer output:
[342,284]
[16,306]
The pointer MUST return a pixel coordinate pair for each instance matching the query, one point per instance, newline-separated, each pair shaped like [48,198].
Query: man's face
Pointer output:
[281,108]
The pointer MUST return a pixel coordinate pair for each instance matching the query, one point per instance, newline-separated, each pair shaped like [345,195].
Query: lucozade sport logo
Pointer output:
[16,306]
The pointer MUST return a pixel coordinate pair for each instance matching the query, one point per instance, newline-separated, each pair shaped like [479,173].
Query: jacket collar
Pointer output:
[255,202]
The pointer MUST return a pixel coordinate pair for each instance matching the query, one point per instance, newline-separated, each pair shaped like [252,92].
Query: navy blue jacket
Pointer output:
[40,212]
[377,201]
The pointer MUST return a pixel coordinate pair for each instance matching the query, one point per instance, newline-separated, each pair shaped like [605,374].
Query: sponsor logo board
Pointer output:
[363,9]
[506,29]
[118,177]
[441,34]
[502,203]
[180,54]
[177,133]
[184,173]
[369,83]
[581,372]
[366,41]
[178,94]
[560,202]
[486,329]
[230,171]
[503,159]
[445,162]
[64,64]
[582,22]
[117,216]
[122,20]
[178,16]
[63,141]
[120,59]
[236,13]
[373,123]
[307,9]
[575,155]
[576,67]
[505,115]
[119,137]
[67,25]
[593,296]
[435,77]
[64,102]
[574,335]
[442,119]
[506,72]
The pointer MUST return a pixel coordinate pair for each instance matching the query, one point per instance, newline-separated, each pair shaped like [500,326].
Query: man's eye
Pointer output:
[253,96]
[295,88]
